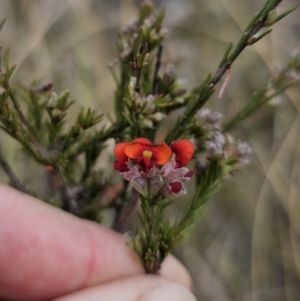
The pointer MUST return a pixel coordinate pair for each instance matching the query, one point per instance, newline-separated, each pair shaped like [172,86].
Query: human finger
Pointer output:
[46,252]
[133,288]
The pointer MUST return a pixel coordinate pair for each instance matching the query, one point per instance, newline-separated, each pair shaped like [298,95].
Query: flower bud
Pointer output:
[179,92]
[219,138]
[174,188]
[272,17]
[147,123]
[136,99]
[208,119]
[140,184]
[155,184]
[131,85]
[57,114]
[158,116]
[241,151]
[41,87]
[146,59]
[52,102]
[77,129]
[253,39]
[169,74]
[145,11]
[213,148]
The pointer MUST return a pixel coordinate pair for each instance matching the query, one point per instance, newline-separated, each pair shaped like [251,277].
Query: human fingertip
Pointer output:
[167,291]
[174,270]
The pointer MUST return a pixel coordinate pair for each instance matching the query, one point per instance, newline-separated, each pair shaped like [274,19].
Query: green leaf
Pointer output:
[10,72]
[254,39]
[5,95]
[159,19]
[145,11]
[138,43]
[285,13]
[226,54]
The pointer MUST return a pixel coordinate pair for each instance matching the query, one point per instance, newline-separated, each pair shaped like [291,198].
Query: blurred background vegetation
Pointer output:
[247,243]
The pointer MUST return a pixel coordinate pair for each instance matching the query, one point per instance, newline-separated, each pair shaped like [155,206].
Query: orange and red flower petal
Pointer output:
[119,152]
[135,150]
[143,141]
[161,153]
[183,150]
[120,166]
[145,163]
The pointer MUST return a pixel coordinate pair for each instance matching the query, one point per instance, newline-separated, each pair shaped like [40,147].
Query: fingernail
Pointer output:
[167,291]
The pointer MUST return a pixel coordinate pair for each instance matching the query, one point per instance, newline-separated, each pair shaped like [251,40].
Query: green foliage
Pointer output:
[206,89]
[281,79]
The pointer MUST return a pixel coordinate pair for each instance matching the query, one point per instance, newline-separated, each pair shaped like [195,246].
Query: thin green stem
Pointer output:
[257,22]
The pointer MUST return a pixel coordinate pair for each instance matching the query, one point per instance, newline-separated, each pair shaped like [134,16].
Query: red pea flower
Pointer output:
[183,150]
[155,168]
[144,151]
[121,163]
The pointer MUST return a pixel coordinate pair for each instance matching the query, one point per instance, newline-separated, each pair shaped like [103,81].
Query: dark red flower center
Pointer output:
[175,187]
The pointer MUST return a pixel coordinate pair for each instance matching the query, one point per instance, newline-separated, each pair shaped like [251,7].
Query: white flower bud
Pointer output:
[158,116]
[140,184]
[155,183]
[131,85]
